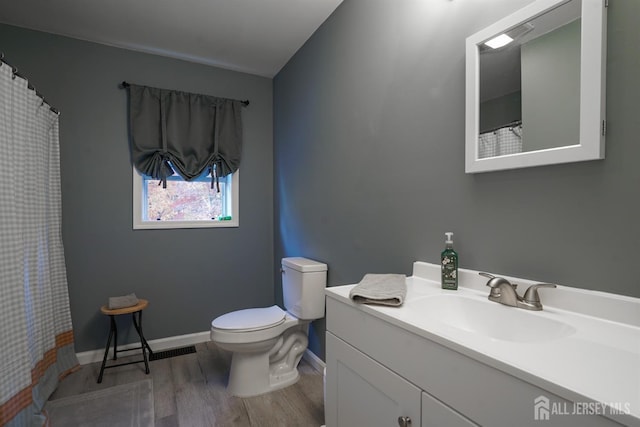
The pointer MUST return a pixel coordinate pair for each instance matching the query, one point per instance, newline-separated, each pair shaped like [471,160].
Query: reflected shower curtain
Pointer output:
[500,142]
[36,337]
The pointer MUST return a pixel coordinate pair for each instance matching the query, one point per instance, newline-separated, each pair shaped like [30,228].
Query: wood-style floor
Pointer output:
[189,391]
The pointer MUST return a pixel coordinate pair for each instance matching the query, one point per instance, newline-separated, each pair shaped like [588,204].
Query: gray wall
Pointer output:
[551,89]
[189,276]
[366,162]
[369,157]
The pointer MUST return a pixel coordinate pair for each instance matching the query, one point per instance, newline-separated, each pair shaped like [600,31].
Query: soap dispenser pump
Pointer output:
[449,263]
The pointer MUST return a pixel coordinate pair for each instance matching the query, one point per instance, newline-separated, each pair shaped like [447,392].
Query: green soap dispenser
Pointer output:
[449,263]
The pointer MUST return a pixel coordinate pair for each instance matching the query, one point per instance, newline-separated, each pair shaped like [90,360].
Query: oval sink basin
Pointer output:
[490,319]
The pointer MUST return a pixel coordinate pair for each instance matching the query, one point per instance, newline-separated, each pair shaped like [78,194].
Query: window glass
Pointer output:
[185,204]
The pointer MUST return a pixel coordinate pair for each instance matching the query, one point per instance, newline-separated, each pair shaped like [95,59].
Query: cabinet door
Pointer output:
[437,414]
[362,392]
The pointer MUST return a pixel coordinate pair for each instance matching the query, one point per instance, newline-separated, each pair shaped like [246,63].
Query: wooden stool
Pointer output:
[113,333]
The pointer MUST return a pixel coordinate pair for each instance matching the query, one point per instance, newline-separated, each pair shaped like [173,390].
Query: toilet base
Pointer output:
[256,373]
[247,377]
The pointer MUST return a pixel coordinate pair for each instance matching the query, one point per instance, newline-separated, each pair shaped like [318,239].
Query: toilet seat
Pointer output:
[250,319]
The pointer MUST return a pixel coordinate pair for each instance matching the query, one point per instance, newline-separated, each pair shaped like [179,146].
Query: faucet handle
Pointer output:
[494,284]
[495,281]
[531,295]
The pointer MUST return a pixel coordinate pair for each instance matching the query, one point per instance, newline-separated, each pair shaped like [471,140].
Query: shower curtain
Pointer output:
[500,142]
[36,337]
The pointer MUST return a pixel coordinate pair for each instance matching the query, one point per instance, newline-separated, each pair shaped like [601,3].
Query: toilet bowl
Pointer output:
[268,343]
[266,353]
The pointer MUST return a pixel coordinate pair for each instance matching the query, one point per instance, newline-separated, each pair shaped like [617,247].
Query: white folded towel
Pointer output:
[384,289]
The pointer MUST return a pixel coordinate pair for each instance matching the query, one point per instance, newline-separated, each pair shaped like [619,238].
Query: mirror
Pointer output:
[535,87]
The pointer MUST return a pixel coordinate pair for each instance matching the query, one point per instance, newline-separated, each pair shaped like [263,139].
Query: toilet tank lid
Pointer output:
[304,265]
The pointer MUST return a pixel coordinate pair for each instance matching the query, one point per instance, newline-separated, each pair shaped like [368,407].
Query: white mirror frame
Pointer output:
[592,91]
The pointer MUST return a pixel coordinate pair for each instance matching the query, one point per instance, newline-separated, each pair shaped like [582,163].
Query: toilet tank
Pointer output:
[303,283]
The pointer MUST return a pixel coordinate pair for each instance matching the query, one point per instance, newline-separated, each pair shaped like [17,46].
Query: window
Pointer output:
[184,204]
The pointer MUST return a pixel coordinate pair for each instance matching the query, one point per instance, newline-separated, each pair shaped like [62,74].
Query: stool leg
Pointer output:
[143,343]
[115,337]
[106,350]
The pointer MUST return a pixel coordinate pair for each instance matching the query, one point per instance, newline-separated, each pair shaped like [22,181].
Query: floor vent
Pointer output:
[157,355]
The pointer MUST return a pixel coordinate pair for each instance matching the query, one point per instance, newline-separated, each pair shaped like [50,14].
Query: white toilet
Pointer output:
[267,343]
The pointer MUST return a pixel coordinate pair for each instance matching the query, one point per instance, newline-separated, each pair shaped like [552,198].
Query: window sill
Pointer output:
[166,225]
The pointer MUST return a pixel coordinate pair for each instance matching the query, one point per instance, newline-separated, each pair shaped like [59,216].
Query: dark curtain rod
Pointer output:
[125,85]
[507,125]
[29,85]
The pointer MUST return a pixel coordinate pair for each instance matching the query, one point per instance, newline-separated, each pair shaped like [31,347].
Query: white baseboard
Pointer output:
[313,360]
[160,344]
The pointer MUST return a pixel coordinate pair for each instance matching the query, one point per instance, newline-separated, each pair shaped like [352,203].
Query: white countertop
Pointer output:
[599,362]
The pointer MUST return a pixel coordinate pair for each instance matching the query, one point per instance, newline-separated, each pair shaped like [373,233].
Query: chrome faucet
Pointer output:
[505,293]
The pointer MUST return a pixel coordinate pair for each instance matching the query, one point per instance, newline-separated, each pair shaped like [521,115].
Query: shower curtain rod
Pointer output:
[29,85]
[506,125]
[125,85]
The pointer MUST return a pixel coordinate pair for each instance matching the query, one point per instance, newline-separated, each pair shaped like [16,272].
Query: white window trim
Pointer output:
[139,224]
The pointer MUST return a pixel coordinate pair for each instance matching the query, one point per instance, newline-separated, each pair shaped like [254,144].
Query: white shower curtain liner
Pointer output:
[500,142]
[36,336]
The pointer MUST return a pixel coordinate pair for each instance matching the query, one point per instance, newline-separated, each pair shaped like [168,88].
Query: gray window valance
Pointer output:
[183,131]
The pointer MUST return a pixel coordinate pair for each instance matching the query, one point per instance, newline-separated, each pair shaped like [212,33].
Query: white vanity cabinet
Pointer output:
[365,393]
[362,392]
[380,369]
